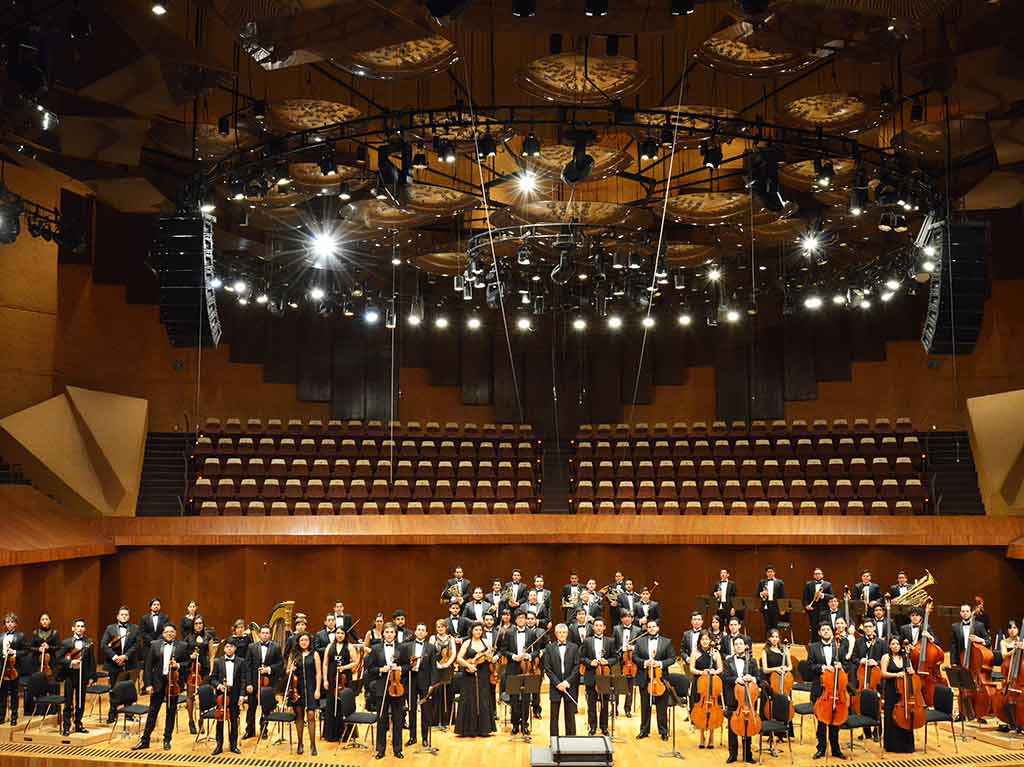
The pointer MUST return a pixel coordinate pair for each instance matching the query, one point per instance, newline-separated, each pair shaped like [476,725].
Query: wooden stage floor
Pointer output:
[499,749]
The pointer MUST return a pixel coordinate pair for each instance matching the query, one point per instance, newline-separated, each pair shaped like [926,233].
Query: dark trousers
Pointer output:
[833,737]
[734,739]
[75,701]
[570,712]
[393,712]
[233,711]
[9,697]
[771,617]
[661,703]
[250,714]
[536,704]
[156,700]
[116,675]
[630,686]
[597,702]
[414,715]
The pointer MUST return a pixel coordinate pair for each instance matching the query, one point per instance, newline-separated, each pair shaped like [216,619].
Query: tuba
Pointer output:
[916,595]
[280,622]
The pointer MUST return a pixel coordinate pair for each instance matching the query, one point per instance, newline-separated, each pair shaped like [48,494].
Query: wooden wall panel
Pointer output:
[604,364]
[249,335]
[799,382]
[77,212]
[831,348]
[444,354]
[314,368]
[638,370]
[381,381]
[476,360]
[767,384]
[670,353]
[732,371]
[348,373]
[283,346]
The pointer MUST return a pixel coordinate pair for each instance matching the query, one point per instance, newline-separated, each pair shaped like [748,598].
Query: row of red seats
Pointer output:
[366,508]
[359,489]
[781,447]
[755,489]
[852,508]
[328,447]
[373,428]
[343,468]
[792,468]
[797,427]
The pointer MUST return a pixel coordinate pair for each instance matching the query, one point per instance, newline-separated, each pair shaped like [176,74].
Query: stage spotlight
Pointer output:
[239,286]
[415,311]
[714,274]
[317,294]
[523,257]
[839,299]
[648,149]
[886,222]
[10,222]
[293,305]
[858,201]
[731,315]
[531,145]
[396,260]
[216,283]
[243,301]
[262,298]
[371,315]
[524,9]
[813,302]
[680,7]
[344,194]
[579,168]
[419,160]
[810,243]
[615,322]
[824,172]
[564,270]
[712,154]
[579,324]
[445,150]
[635,262]
[928,266]
[441,322]
[764,179]
[647,322]
[526,181]
[595,7]
[864,304]
[160,7]
[474,323]
[206,204]
[887,296]
[486,146]
[524,324]
[899,224]
[929,251]
[323,246]
[685,319]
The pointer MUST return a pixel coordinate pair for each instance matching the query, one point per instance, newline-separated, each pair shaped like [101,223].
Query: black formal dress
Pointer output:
[334,657]
[895,739]
[305,672]
[475,717]
[33,661]
[703,662]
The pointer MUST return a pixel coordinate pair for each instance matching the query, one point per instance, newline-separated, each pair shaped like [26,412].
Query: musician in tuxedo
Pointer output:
[724,591]
[490,630]
[475,609]
[151,626]
[646,609]
[265,662]
[912,631]
[402,632]
[771,590]
[967,631]
[868,651]
[592,604]
[423,674]
[495,598]
[831,612]
[541,635]
[516,590]
[623,634]
[76,666]
[625,600]
[653,651]
[735,631]
[580,630]
[611,593]
[14,651]
[384,658]
[341,618]
[230,676]
[457,587]
[543,596]
[561,662]
[519,644]
[688,645]
[536,607]
[570,596]
[457,625]
[867,591]
[821,655]
[597,651]
[165,655]
[883,626]
[325,636]
[815,599]
[120,647]
[738,667]
[898,589]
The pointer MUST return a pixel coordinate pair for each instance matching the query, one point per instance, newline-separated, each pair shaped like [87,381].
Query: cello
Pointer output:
[910,712]
[927,657]
[744,721]
[868,678]
[781,683]
[707,715]
[833,705]
[1005,702]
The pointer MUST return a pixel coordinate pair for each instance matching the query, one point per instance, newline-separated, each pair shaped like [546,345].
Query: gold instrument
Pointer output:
[916,595]
[452,592]
[280,622]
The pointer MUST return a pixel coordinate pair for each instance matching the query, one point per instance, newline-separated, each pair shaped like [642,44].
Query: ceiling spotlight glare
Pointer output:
[595,7]
[685,319]
[486,147]
[864,304]
[886,222]
[159,7]
[680,7]
[615,322]
[731,315]
[445,150]
[526,181]
[579,324]
[892,284]
[237,190]
[648,322]
[293,304]
[531,145]
[929,251]
[712,154]
[474,323]
[206,205]
[216,283]
[523,324]
[928,266]
[524,9]
[262,298]
[635,262]
[396,260]
[415,317]
[899,224]
[243,301]
[371,316]
[824,172]
[858,201]
[810,243]
[323,245]
[714,274]
[317,294]
[839,299]
[441,322]
[618,261]
[240,286]
[813,302]
[344,194]
[648,149]
[887,296]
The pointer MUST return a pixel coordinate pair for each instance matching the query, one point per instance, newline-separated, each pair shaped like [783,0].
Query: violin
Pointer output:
[708,715]
[910,713]
[10,669]
[781,682]
[927,657]
[745,722]
[220,713]
[195,676]
[1006,701]
[629,668]
[173,681]
[655,681]
[395,687]
[292,686]
[833,706]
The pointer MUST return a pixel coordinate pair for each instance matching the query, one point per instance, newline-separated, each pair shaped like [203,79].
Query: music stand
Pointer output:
[788,607]
[610,687]
[742,604]
[676,703]
[707,605]
[525,686]
[960,679]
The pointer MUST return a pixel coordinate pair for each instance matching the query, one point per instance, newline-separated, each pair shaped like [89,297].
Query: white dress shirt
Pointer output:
[389,653]
[229,671]
[598,647]
[723,591]
[770,588]
[561,655]
[520,641]
[168,652]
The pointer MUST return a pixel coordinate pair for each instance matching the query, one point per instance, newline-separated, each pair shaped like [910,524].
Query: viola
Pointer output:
[655,681]
[708,714]
[910,713]
[526,666]
[395,687]
[745,722]
[833,705]
[1006,701]
[927,658]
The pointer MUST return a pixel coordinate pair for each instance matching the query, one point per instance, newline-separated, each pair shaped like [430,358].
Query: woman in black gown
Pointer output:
[894,738]
[447,652]
[774,660]
[303,691]
[339,663]
[707,660]
[476,704]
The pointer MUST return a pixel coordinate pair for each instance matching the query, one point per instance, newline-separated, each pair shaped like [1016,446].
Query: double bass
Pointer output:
[910,712]
[1006,701]
[977,661]
[833,705]
[927,657]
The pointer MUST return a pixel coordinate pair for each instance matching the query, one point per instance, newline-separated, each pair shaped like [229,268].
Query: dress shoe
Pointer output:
[839,755]
[167,745]
[426,744]
[664,736]
[731,759]
[605,733]
[749,759]
[81,729]
[248,734]
[515,729]
[312,749]
[299,750]
[236,750]
[379,755]
[399,756]
[217,751]
[410,742]
[819,753]
[592,733]
[536,714]
[192,729]
[641,735]
[142,745]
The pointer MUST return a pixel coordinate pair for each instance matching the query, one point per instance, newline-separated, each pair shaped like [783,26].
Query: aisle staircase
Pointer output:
[165,474]
[952,476]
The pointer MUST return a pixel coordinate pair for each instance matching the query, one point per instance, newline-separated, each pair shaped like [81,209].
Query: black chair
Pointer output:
[350,719]
[801,673]
[268,702]
[38,690]
[124,701]
[943,712]
[777,726]
[100,690]
[870,716]
[207,710]
[803,710]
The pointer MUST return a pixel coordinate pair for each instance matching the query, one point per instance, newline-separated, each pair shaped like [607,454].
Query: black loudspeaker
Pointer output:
[958,288]
[183,259]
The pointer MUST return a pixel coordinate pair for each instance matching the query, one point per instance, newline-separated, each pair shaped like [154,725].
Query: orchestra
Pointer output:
[874,641]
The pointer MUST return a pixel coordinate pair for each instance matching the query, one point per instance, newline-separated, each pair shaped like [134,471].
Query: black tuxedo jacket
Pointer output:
[587,654]
[623,635]
[21,650]
[874,592]
[469,610]
[724,601]
[520,592]
[274,659]
[498,602]
[578,633]
[862,651]
[686,645]
[458,627]
[426,670]
[725,645]
[730,674]
[507,647]
[907,632]
[110,648]
[153,670]
[344,620]
[541,611]
[956,640]
[376,660]
[816,659]
[778,592]
[660,650]
[148,633]
[219,675]
[653,612]
[322,638]
[822,604]
[622,601]
[556,672]
[894,590]
[63,669]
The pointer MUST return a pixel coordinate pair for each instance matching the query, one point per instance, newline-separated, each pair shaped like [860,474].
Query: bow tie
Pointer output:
[230,660]
[967,623]
[419,641]
[122,625]
[561,644]
[389,645]
[266,644]
[521,631]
